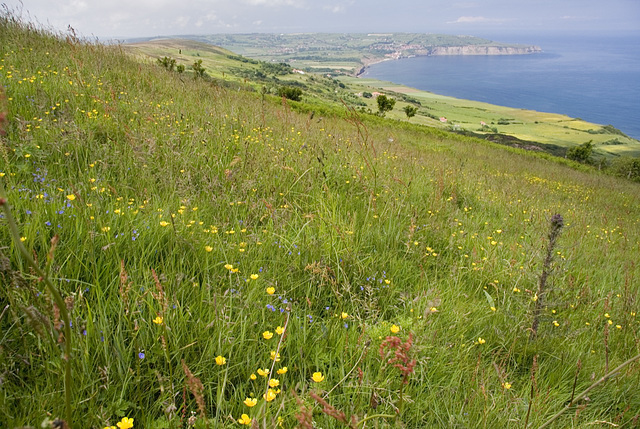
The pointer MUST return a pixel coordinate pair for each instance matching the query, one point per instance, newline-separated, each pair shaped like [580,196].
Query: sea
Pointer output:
[596,79]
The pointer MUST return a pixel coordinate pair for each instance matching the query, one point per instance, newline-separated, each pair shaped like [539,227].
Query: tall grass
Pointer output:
[194,221]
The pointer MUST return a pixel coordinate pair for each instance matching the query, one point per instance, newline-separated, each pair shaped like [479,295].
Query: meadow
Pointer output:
[541,131]
[176,252]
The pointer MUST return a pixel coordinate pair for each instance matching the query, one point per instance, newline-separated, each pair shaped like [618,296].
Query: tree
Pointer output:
[410,111]
[581,153]
[626,166]
[385,104]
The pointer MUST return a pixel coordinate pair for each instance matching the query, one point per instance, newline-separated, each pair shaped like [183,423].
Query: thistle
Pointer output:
[555,227]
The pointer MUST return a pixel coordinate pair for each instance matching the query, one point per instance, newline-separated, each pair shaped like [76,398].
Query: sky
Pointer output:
[124,19]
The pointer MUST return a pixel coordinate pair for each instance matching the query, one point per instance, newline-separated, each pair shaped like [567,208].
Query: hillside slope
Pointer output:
[547,132]
[221,254]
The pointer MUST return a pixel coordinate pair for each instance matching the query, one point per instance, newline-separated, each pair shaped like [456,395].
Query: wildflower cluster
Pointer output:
[398,354]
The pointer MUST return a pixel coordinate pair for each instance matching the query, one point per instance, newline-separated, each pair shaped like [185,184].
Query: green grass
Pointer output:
[358,223]
[549,132]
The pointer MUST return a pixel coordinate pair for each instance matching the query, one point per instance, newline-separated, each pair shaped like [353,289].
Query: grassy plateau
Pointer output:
[181,251]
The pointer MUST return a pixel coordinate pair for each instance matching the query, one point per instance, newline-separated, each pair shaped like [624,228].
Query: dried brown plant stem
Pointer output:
[364,350]
[590,388]
[534,368]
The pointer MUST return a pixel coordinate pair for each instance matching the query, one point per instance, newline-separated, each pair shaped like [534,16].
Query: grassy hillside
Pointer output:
[547,132]
[215,247]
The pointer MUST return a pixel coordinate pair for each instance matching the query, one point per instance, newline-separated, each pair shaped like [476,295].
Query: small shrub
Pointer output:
[198,69]
[582,153]
[290,93]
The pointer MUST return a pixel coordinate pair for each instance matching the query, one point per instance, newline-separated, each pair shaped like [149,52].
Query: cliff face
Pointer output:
[483,50]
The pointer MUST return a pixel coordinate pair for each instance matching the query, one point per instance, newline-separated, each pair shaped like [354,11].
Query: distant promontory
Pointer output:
[350,53]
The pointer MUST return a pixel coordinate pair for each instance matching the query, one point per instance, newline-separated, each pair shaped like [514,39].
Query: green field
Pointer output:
[548,132]
[197,252]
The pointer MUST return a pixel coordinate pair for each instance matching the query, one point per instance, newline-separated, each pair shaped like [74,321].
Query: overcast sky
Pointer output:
[122,19]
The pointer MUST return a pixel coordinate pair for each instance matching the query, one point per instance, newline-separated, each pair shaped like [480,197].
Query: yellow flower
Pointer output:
[394,329]
[228,267]
[279,330]
[271,290]
[125,423]
[555,323]
[254,276]
[506,385]
[23,239]
[106,228]
[158,320]
[282,370]
[164,223]
[267,335]
[244,420]
[208,248]
[493,309]
[481,340]
[250,402]
[317,377]
[263,372]
[71,197]
[275,356]
[253,376]
[274,382]
[270,395]
[221,360]
[344,315]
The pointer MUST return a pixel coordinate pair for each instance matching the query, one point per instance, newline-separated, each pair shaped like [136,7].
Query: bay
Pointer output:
[596,79]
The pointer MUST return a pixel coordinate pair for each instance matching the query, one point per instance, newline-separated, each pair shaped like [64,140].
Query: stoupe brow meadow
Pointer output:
[185,246]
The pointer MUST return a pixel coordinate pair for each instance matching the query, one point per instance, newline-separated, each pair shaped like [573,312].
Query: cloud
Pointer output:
[276,3]
[475,19]
[335,9]
[578,18]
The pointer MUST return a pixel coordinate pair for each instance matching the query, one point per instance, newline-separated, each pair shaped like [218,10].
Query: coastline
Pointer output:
[551,89]
[469,50]
[526,126]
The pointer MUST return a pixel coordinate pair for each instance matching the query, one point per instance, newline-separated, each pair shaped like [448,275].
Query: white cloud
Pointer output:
[275,3]
[475,19]
[335,9]
[181,21]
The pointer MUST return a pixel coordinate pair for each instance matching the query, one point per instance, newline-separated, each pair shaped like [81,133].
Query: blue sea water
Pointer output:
[596,79]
